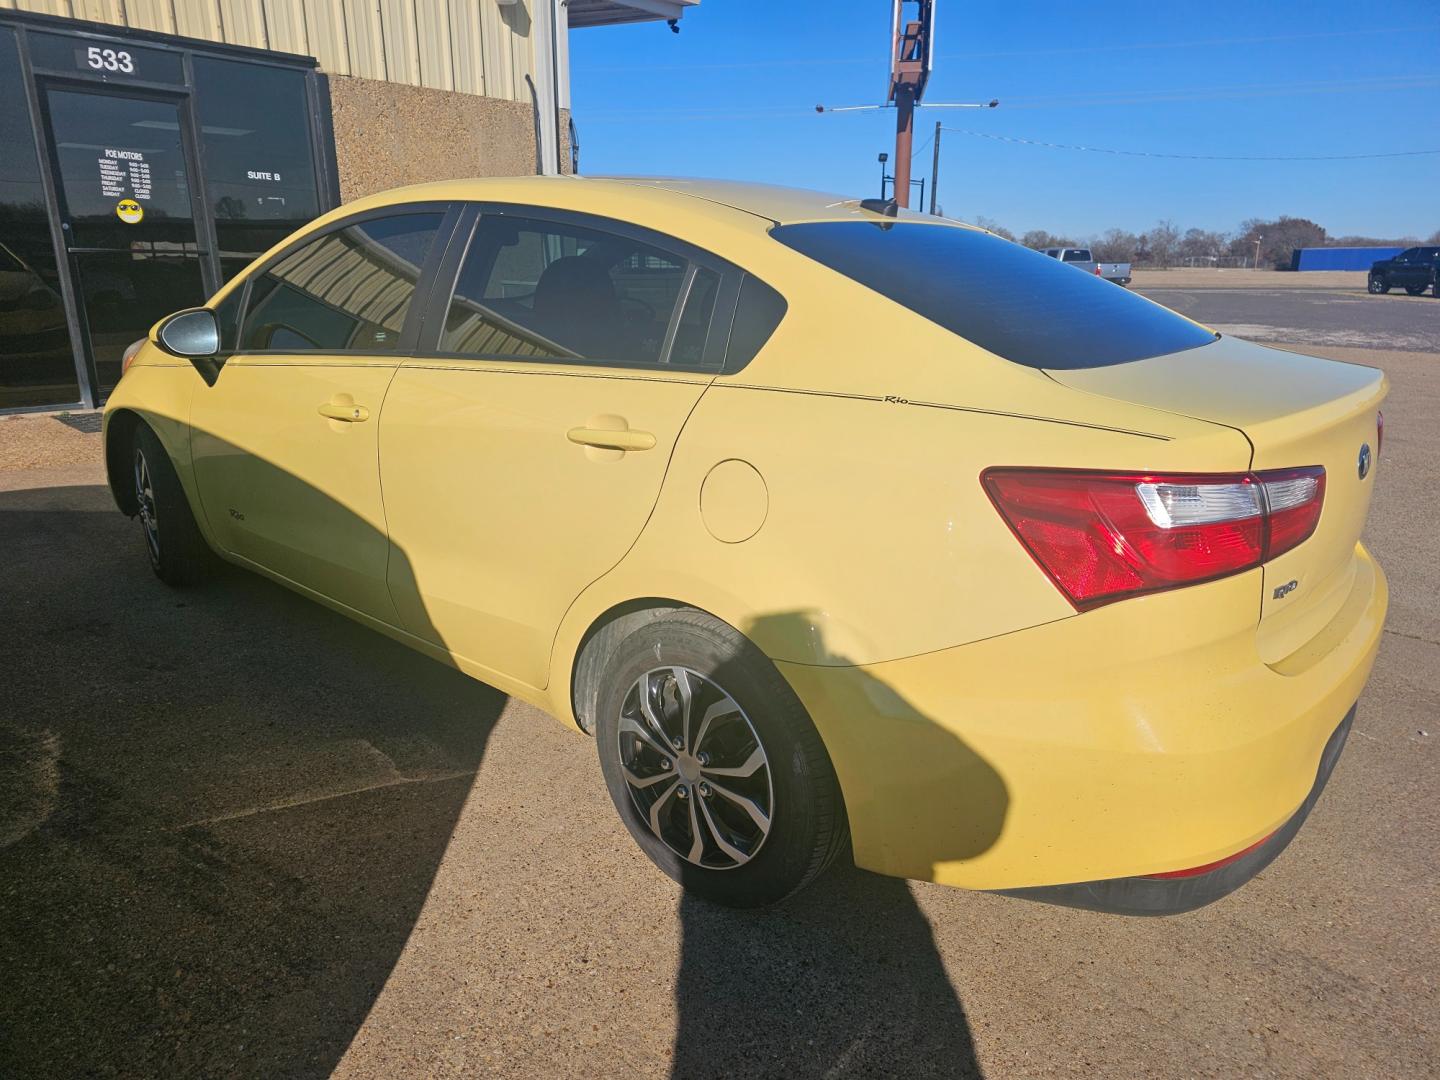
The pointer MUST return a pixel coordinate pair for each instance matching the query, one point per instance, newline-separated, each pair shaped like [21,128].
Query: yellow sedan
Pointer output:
[840,529]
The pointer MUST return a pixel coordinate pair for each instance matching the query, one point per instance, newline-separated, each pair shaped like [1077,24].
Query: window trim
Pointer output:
[717,334]
[424,284]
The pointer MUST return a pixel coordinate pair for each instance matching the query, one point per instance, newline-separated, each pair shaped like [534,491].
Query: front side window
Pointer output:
[1014,302]
[348,291]
[533,289]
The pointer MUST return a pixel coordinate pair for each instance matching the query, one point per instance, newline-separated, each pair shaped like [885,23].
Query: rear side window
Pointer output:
[1007,299]
[347,291]
[534,289]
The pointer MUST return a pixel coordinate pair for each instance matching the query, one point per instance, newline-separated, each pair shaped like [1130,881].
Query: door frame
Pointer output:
[207,258]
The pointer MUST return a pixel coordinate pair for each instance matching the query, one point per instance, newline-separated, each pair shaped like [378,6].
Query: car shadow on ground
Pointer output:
[844,978]
[221,809]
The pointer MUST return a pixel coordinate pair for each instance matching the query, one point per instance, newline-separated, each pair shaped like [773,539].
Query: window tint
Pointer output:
[1077,255]
[348,291]
[757,313]
[1014,302]
[538,289]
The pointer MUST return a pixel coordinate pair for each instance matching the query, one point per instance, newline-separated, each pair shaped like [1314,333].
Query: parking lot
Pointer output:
[1315,311]
[242,836]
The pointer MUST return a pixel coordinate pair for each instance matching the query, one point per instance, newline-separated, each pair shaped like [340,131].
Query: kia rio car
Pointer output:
[840,529]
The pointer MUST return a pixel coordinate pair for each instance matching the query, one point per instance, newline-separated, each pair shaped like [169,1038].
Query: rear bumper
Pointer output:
[1170,895]
[1141,738]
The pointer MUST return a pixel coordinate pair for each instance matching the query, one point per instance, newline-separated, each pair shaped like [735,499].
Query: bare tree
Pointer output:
[1039,239]
[1115,245]
[1277,239]
[1201,244]
[991,225]
[1163,243]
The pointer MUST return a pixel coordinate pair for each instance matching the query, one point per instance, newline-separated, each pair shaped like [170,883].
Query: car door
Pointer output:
[1403,269]
[285,443]
[523,455]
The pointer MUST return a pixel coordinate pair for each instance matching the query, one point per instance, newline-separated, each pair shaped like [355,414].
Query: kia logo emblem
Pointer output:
[1364,462]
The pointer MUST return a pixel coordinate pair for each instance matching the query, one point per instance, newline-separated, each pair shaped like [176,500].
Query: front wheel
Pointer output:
[1378,285]
[714,765]
[178,553]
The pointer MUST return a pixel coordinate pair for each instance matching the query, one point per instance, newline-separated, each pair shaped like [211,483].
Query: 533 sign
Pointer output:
[102,58]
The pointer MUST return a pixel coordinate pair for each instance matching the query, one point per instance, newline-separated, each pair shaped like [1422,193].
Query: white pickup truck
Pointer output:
[1081,259]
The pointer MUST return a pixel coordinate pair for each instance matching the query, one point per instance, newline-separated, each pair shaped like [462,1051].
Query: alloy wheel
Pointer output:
[697,772]
[145,501]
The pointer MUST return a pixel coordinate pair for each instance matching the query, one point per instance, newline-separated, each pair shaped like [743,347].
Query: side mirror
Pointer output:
[194,335]
[191,334]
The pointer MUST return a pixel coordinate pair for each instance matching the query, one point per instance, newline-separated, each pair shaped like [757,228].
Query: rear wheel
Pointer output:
[1378,284]
[714,765]
[178,553]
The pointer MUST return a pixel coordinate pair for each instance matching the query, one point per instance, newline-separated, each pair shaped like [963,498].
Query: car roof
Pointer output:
[772,202]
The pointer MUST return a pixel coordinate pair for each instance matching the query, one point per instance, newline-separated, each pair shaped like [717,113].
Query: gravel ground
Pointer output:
[241,836]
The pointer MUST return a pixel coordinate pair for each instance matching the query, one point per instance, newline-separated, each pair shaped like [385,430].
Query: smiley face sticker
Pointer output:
[129,211]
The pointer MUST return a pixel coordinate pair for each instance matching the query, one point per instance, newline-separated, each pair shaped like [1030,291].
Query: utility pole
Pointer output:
[911,50]
[935,169]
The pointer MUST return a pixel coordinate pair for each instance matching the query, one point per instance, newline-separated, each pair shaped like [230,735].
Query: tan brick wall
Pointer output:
[388,135]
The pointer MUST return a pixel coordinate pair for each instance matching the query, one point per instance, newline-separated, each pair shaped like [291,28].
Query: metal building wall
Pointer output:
[472,46]
[1340,258]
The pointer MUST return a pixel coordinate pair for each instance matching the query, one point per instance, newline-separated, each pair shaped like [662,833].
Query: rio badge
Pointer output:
[129,211]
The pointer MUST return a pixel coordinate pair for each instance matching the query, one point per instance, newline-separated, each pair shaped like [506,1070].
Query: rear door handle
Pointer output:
[345,413]
[626,439]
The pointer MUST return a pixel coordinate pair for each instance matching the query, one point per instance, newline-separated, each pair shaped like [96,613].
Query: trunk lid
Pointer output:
[1296,411]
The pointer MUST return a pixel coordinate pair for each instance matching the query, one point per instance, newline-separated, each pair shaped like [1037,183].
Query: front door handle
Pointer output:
[345,412]
[624,439]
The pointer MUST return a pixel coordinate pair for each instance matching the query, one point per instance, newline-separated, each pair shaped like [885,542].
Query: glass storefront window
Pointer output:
[259,162]
[37,366]
[105,226]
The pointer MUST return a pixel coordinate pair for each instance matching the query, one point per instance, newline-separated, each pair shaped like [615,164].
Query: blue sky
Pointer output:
[733,95]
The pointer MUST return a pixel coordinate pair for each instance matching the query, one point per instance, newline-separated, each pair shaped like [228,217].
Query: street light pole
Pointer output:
[1257,252]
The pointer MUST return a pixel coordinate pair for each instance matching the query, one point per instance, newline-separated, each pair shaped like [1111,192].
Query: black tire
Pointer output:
[178,553]
[1378,284]
[806,822]
[1416,290]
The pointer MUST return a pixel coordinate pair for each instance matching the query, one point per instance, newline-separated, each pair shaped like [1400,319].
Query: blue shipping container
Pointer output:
[1340,258]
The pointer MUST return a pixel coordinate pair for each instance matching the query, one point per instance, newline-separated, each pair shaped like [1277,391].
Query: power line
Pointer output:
[1138,46]
[1188,157]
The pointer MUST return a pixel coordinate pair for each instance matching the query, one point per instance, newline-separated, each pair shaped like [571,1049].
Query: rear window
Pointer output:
[1005,298]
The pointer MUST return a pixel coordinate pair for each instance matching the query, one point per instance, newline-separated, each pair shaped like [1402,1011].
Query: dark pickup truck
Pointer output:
[1413,270]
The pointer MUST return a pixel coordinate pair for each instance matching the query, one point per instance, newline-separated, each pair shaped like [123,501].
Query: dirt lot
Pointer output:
[241,836]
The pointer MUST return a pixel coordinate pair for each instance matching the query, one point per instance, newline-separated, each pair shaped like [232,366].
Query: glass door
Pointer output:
[127,211]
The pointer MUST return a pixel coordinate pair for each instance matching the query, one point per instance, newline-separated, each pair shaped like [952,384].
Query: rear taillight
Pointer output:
[1103,537]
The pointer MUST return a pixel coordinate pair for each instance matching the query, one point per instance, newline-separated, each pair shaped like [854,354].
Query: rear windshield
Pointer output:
[1003,297]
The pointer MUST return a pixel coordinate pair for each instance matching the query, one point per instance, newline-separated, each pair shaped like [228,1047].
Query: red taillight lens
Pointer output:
[1293,498]
[1102,537]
